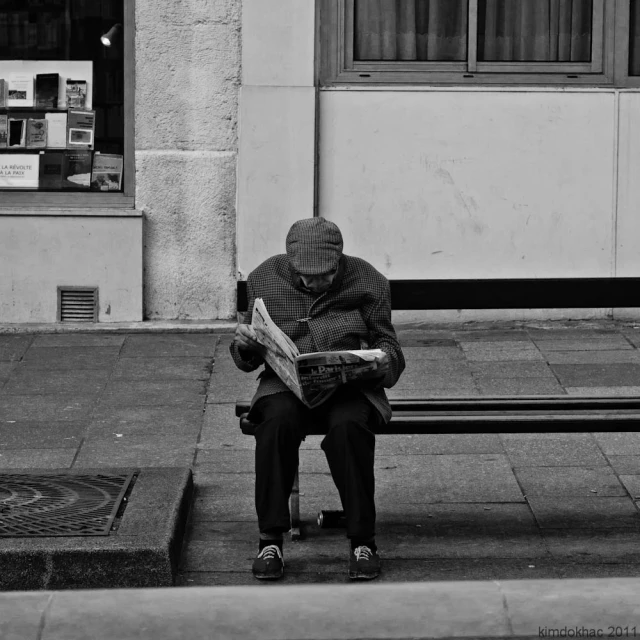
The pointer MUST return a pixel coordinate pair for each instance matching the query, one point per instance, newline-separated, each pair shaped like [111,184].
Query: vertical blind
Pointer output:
[508,30]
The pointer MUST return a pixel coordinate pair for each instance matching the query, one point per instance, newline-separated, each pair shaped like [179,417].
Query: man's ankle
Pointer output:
[269,538]
[363,542]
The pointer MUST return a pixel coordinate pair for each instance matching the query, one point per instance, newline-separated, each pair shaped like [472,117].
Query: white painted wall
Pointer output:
[276,160]
[473,184]
[41,252]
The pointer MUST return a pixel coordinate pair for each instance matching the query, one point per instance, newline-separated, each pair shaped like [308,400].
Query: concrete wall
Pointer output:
[41,252]
[187,80]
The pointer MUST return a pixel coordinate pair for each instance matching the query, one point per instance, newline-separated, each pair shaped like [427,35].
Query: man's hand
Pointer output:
[246,340]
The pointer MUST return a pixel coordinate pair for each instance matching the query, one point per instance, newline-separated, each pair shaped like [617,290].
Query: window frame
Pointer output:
[337,67]
[95,199]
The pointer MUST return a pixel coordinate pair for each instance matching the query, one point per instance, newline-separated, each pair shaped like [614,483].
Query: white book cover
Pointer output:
[19,170]
[56,130]
[20,92]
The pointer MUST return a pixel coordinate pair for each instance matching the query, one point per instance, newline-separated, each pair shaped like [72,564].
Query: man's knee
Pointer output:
[349,428]
[278,416]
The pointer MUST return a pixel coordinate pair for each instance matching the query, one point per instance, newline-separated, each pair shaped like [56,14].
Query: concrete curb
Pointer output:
[214,326]
[509,609]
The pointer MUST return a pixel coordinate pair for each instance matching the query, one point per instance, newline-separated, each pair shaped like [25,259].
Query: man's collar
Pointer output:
[335,285]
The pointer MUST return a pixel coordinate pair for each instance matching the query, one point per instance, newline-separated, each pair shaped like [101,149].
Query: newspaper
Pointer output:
[313,377]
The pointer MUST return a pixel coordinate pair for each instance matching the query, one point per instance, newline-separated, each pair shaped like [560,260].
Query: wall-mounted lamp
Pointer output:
[112,35]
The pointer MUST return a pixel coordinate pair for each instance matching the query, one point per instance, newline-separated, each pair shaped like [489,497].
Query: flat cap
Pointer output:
[314,246]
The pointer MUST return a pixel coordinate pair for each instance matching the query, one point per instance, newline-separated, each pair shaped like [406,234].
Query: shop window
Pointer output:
[66,103]
[570,42]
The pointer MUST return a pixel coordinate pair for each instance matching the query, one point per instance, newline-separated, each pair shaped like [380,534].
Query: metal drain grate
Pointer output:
[60,504]
[77,304]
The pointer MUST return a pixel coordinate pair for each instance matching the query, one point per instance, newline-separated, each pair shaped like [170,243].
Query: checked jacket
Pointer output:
[354,313]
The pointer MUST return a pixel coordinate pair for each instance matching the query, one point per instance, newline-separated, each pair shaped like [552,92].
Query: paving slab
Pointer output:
[514,519]
[170,346]
[593,546]
[518,386]
[562,450]
[509,335]
[448,478]
[146,419]
[221,428]
[585,513]
[28,381]
[6,369]
[607,343]
[512,369]
[616,443]
[37,458]
[603,391]
[98,454]
[162,369]
[569,481]
[227,508]
[632,484]
[451,443]
[145,556]
[13,348]
[78,340]
[227,460]
[632,335]
[597,375]
[58,358]
[625,464]
[449,354]
[503,355]
[415,381]
[410,391]
[55,407]
[620,356]
[41,435]
[123,393]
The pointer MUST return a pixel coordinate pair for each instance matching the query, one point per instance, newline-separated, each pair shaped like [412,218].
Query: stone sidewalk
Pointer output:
[450,507]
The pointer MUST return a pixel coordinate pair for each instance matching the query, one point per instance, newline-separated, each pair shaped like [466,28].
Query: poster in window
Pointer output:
[76,170]
[107,172]
[4,130]
[36,133]
[47,85]
[20,91]
[17,132]
[76,93]
[56,130]
[19,171]
[81,126]
[51,167]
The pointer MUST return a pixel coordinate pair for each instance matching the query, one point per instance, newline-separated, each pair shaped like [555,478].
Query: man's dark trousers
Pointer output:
[349,445]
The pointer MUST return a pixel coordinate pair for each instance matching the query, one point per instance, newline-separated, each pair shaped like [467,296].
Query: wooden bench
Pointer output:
[508,414]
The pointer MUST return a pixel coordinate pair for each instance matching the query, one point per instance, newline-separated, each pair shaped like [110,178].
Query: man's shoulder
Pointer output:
[274,266]
[364,270]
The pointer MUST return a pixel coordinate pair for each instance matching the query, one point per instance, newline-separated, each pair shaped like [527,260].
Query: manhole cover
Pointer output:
[59,504]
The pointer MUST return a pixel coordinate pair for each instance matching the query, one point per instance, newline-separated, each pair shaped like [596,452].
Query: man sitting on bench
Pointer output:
[324,301]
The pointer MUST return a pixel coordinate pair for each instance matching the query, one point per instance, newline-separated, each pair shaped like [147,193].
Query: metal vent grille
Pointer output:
[77,304]
[58,504]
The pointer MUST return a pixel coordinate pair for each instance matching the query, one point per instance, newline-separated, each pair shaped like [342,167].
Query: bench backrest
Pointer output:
[543,293]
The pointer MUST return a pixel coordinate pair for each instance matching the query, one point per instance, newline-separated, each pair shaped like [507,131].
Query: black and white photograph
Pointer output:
[319,319]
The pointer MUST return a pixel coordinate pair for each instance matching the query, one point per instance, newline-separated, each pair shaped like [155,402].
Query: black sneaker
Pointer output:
[269,564]
[364,564]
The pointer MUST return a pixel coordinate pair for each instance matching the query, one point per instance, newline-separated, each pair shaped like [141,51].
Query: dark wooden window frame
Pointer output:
[609,67]
[92,200]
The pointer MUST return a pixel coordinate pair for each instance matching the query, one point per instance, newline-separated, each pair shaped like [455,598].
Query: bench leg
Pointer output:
[294,508]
